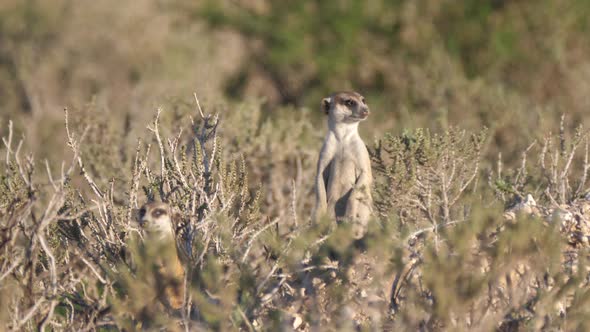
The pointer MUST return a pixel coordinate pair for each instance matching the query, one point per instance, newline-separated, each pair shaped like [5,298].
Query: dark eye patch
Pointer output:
[350,103]
[141,213]
[157,213]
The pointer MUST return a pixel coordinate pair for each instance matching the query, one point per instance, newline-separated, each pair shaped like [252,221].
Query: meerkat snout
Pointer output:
[365,112]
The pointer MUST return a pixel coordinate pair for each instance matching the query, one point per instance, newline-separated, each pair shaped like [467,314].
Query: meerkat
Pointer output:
[161,226]
[344,178]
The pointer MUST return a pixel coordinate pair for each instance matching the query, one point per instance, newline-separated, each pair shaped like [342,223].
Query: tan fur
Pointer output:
[344,178]
[158,221]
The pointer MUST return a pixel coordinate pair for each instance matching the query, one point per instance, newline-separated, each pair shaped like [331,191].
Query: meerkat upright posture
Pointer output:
[161,226]
[343,180]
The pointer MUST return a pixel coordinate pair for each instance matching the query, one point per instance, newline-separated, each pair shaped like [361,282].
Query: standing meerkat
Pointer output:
[162,225]
[344,178]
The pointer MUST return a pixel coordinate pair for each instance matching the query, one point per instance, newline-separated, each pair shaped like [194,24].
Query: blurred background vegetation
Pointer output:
[435,73]
[513,66]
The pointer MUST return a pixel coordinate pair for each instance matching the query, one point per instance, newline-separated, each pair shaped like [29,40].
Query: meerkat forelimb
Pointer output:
[344,177]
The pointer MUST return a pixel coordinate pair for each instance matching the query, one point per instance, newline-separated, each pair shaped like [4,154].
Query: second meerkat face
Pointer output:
[348,107]
[156,219]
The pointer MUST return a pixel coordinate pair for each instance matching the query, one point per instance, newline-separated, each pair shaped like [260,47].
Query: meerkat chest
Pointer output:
[345,165]
[351,151]
[345,158]
[343,168]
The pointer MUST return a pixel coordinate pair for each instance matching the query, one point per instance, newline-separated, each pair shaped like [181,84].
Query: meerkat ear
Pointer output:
[326,105]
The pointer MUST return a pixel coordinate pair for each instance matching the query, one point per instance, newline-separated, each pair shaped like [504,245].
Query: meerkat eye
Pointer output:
[158,212]
[350,103]
[141,213]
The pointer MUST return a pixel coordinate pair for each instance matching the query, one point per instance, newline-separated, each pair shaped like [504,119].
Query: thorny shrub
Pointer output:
[526,268]
[441,253]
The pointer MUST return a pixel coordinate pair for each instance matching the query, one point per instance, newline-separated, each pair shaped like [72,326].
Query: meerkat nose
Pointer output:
[365,112]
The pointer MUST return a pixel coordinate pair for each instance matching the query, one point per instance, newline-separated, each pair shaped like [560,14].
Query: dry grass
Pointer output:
[441,254]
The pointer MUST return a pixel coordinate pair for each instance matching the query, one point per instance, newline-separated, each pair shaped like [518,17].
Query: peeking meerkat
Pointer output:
[161,226]
[344,178]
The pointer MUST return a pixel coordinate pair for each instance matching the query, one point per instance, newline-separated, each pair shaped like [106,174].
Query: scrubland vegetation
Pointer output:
[477,137]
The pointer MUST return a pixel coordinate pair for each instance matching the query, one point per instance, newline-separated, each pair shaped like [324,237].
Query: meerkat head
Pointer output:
[347,107]
[156,219]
